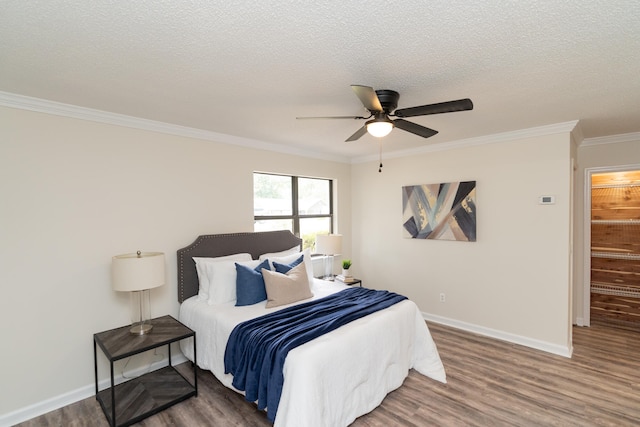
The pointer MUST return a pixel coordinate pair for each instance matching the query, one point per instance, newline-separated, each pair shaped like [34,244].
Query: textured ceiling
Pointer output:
[248,68]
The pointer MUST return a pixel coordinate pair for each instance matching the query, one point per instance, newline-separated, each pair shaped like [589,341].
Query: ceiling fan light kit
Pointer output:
[379,127]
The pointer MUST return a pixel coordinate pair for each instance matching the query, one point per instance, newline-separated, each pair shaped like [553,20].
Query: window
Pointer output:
[302,205]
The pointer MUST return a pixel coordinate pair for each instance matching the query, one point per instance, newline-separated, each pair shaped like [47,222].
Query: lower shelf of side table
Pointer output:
[145,395]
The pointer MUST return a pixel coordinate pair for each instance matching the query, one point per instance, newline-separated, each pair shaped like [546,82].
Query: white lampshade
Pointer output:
[329,244]
[137,272]
[379,128]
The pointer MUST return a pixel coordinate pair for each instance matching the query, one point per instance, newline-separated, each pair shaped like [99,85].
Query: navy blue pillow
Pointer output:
[284,268]
[250,287]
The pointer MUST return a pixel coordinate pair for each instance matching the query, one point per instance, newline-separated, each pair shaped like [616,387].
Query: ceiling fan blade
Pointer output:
[359,133]
[332,117]
[414,128]
[442,107]
[368,97]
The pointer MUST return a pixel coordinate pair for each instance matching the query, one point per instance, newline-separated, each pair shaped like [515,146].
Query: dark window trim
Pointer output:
[296,217]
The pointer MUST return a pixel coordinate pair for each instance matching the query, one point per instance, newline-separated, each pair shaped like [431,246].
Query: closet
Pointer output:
[615,247]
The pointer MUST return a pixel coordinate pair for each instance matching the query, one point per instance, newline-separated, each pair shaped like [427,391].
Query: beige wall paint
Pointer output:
[606,155]
[73,194]
[515,278]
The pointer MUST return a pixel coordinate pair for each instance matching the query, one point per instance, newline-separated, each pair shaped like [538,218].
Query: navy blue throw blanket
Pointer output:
[257,348]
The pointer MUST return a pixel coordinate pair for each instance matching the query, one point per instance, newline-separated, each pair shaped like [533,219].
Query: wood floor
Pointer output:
[490,383]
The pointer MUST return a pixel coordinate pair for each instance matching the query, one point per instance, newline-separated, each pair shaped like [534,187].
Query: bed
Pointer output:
[329,381]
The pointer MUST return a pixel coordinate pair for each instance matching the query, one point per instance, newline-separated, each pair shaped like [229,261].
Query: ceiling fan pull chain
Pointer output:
[380,167]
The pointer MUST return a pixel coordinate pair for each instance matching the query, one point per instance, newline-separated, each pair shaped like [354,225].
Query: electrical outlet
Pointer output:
[442,297]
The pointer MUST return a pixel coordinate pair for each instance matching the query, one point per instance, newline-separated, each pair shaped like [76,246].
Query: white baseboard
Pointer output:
[565,351]
[73,396]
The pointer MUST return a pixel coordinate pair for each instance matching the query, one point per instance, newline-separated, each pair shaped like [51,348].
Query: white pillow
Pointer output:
[286,288]
[204,282]
[223,277]
[288,259]
[293,250]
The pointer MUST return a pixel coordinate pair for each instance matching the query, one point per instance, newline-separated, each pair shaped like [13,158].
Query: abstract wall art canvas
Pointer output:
[440,211]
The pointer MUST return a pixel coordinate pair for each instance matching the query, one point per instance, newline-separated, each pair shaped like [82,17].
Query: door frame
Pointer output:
[588,173]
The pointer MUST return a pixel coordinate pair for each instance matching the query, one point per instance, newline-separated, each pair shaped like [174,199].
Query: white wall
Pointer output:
[73,194]
[513,282]
[600,153]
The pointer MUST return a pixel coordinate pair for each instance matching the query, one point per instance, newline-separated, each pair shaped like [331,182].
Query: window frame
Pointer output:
[295,216]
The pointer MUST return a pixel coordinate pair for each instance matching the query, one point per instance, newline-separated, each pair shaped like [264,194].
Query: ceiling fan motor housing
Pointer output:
[388,99]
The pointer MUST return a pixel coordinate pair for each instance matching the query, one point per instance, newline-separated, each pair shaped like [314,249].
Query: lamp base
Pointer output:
[140,312]
[140,329]
[328,268]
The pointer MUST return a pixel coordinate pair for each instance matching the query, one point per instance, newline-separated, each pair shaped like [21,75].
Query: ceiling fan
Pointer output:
[381,105]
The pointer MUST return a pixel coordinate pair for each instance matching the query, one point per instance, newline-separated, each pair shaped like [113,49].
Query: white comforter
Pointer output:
[335,378]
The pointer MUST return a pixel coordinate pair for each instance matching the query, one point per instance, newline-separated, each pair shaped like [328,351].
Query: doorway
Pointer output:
[612,246]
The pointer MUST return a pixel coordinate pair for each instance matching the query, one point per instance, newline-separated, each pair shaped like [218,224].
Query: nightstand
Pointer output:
[131,401]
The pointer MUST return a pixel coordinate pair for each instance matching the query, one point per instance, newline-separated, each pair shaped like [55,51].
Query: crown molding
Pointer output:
[480,140]
[39,105]
[612,139]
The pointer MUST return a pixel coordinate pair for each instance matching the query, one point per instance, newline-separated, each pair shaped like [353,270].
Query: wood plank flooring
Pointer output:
[490,383]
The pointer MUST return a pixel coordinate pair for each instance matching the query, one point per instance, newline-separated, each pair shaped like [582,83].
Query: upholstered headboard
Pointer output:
[215,245]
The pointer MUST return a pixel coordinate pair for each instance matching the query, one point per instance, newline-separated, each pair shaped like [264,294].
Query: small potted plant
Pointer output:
[346,265]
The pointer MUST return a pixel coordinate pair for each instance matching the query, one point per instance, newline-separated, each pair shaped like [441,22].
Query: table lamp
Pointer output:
[328,245]
[138,273]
